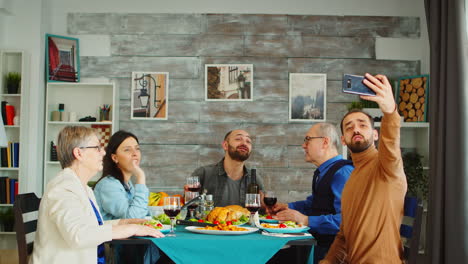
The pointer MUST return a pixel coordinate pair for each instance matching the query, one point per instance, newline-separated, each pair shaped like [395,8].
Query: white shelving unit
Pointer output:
[13,61]
[82,98]
[415,137]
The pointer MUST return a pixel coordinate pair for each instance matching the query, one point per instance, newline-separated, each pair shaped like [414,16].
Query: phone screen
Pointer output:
[353,84]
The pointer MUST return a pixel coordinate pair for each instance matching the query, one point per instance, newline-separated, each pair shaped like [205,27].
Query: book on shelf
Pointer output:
[4,103]
[8,190]
[9,155]
[4,157]
[13,190]
[3,190]
[16,154]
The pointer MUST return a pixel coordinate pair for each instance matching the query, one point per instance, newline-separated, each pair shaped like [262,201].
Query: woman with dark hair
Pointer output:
[115,193]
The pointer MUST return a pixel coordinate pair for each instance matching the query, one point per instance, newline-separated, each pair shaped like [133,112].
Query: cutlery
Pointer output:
[191,223]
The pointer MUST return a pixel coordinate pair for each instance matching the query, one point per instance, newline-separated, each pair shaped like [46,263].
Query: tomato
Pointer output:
[282,226]
[228,223]
[216,222]
[269,217]
[201,221]
[159,225]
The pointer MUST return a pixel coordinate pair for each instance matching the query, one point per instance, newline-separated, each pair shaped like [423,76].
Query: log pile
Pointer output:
[412,99]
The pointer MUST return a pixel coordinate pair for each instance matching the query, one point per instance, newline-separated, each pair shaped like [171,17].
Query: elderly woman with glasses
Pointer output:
[70,228]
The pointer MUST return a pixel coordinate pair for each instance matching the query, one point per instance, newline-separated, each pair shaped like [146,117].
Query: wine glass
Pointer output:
[189,196]
[270,199]
[252,203]
[193,183]
[172,209]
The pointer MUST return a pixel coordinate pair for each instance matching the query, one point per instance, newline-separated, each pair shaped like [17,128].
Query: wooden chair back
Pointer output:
[26,209]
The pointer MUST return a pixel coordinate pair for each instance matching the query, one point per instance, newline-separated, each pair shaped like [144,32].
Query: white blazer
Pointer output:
[68,230]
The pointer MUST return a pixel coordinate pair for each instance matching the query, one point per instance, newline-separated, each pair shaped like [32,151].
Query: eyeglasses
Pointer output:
[99,148]
[307,138]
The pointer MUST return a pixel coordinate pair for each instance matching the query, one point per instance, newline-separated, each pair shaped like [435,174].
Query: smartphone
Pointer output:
[353,84]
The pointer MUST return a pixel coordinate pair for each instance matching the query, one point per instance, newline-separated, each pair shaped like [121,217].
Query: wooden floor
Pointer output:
[8,256]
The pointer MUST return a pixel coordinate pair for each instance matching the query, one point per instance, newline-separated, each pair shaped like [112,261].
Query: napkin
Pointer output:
[256,219]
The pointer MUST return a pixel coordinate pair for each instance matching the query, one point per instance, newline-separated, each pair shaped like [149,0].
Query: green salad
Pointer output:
[153,223]
[291,224]
[164,219]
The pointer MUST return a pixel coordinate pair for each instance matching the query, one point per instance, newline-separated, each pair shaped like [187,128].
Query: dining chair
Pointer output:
[410,229]
[26,209]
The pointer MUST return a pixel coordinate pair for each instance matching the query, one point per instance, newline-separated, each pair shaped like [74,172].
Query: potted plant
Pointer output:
[415,176]
[13,80]
[355,105]
[7,219]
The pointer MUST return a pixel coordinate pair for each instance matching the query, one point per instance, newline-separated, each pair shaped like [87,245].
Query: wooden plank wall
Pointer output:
[276,45]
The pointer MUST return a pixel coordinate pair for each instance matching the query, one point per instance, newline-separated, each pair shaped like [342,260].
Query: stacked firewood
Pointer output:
[412,101]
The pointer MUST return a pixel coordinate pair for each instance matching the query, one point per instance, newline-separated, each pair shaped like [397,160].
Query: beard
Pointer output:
[237,155]
[359,146]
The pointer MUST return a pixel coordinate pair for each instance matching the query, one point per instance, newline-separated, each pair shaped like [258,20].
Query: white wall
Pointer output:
[31,19]
[414,49]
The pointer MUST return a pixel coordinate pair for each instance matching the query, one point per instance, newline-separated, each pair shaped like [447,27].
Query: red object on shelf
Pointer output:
[10,114]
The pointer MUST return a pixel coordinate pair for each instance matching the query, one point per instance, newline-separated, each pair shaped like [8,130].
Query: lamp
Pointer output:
[143,96]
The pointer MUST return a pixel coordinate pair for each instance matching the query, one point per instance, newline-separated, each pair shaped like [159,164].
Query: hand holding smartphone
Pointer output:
[353,84]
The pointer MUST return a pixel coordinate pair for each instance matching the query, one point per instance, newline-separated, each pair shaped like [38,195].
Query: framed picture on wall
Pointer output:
[412,94]
[149,95]
[307,97]
[62,59]
[228,82]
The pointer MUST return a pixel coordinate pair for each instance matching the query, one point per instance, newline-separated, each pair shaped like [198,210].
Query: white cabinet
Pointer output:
[80,100]
[12,61]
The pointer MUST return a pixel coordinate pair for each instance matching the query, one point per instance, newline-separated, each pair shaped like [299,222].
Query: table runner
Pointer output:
[193,248]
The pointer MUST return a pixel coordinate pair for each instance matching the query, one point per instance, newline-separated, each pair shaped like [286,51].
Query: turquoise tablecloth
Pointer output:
[193,248]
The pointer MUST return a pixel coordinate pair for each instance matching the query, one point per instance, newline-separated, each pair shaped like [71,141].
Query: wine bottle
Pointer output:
[253,186]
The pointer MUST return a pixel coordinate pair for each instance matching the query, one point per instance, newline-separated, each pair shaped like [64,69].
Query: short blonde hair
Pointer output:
[69,138]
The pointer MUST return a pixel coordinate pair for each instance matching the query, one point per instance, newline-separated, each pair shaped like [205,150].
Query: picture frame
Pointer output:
[62,59]
[229,82]
[412,97]
[149,96]
[307,97]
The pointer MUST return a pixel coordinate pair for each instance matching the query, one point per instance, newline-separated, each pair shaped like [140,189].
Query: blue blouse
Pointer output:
[117,202]
[100,249]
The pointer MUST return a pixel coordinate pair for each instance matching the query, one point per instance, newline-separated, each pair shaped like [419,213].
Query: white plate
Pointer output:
[266,220]
[195,229]
[286,230]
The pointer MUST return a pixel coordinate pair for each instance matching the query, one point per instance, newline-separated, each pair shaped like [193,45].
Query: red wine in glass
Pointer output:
[270,201]
[252,208]
[172,212]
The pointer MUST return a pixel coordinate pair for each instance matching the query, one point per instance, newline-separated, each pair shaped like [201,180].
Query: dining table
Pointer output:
[194,248]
